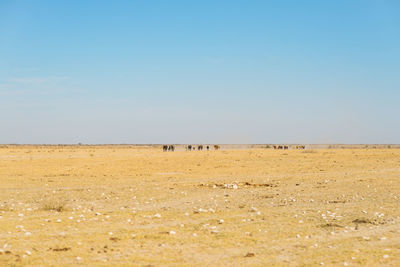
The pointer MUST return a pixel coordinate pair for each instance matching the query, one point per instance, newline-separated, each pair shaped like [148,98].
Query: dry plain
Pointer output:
[139,206]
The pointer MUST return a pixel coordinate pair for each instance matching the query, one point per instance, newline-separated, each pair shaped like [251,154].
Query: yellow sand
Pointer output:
[123,206]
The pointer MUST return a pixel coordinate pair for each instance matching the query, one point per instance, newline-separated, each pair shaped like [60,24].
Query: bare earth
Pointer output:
[127,205]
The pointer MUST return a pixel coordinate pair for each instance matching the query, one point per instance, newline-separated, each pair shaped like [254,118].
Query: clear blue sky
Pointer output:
[200,71]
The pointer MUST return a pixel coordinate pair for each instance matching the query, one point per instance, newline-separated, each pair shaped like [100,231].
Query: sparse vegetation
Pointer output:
[54,203]
[54,206]
[358,221]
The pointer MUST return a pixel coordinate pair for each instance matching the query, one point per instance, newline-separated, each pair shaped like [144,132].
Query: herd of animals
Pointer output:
[217,147]
[287,147]
[189,147]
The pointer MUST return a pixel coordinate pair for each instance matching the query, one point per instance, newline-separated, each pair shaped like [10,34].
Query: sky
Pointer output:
[217,71]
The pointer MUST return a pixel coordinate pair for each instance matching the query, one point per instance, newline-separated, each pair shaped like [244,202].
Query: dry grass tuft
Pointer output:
[333,225]
[54,205]
[366,221]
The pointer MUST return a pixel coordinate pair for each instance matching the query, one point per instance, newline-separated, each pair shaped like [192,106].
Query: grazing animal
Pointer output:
[285,147]
[216,147]
[208,148]
[165,148]
[200,147]
[189,147]
[275,147]
[171,148]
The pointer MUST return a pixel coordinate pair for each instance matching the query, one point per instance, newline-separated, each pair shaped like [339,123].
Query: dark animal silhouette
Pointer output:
[165,148]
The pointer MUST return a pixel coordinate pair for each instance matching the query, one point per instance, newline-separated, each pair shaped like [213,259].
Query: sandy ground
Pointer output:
[124,206]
